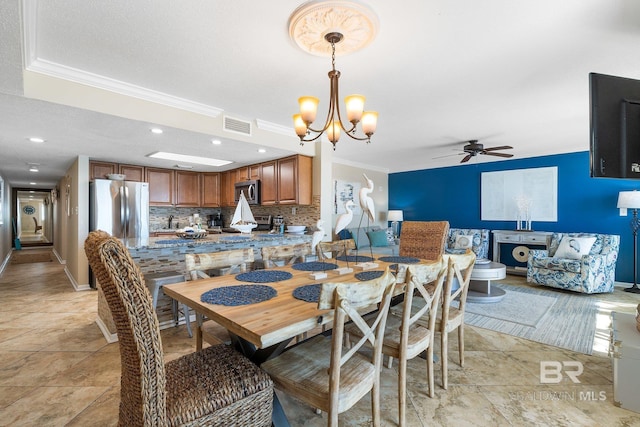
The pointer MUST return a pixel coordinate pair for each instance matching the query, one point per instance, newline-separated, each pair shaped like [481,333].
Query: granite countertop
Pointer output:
[170,239]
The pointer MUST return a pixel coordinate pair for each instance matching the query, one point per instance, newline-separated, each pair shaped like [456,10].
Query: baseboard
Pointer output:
[111,338]
[5,262]
[58,257]
[75,284]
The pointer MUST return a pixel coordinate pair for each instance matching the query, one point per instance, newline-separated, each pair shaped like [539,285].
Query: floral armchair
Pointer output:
[593,272]
[459,239]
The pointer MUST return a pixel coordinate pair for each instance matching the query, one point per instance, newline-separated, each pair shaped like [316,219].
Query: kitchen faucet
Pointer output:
[170,220]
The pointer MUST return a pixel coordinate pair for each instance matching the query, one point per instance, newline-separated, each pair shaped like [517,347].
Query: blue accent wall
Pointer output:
[585,204]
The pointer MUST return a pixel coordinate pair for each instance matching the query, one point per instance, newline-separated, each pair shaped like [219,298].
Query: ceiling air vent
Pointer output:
[237,126]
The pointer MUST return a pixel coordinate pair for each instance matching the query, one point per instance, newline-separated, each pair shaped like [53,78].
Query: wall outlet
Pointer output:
[293,211]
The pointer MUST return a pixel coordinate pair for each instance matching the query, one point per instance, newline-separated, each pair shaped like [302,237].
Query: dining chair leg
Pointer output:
[461,344]
[444,342]
[375,399]
[187,319]
[390,362]
[430,370]
[199,322]
[402,390]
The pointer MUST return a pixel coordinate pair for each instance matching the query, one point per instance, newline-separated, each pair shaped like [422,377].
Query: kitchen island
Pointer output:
[166,253]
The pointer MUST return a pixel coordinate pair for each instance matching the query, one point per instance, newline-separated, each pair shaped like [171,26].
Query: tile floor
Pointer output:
[56,369]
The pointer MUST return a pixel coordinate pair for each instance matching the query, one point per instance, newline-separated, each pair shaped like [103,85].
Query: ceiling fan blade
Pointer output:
[504,147]
[466,158]
[491,153]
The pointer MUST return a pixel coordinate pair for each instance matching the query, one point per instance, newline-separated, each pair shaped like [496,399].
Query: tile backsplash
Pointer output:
[305,215]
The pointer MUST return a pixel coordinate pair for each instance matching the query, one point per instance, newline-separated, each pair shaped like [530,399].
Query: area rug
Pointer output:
[25,257]
[560,318]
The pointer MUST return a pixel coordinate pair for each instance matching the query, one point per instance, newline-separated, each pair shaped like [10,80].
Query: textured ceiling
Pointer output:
[439,73]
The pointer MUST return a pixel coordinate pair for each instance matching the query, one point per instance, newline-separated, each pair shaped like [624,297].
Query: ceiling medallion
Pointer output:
[310,23]
[332,27]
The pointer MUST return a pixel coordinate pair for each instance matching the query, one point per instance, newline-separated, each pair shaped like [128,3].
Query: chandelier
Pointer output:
[333,22]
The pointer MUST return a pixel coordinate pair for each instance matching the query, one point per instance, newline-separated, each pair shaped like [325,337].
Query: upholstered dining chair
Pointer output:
[321,371]
[458,272]
[284,254]
[335,248]
[215,387]
[406,338]
[423,239]
[204,265]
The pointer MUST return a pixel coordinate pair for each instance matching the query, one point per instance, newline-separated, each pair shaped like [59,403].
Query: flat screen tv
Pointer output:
[614,126]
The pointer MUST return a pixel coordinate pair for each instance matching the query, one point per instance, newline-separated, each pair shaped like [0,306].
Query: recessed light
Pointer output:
[157,131]
[216,142]
[34,139]
[261,150]
[33,169]
[33,183]
[189,159]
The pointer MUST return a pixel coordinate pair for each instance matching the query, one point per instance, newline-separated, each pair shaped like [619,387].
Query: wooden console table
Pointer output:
[516,261]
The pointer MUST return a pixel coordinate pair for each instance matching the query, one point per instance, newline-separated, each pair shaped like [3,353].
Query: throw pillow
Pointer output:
[463,242]
[574,247]
[378,238]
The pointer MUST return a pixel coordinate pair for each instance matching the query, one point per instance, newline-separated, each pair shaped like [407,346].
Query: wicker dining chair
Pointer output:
[214,387]
[423,239]
[321,371]
[404,336]
[204,265]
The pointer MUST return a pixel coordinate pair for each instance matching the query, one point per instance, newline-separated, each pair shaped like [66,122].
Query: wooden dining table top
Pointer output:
[269,322]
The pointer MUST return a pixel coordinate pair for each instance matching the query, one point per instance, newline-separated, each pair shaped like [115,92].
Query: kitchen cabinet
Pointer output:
[227,188]
[187,189]
[286,181]
[247,173]
[132,172]
[161,184]
[100,170]
[210,190]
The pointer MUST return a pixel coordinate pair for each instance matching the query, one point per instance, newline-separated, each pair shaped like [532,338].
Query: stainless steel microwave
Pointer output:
[251,191]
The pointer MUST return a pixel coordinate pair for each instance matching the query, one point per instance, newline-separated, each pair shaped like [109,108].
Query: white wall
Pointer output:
[5,227]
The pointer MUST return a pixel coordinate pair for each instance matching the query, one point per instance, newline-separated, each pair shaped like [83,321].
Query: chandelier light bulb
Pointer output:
[299,125]
[369,122]
[355,107]
[333,132]
[308,108]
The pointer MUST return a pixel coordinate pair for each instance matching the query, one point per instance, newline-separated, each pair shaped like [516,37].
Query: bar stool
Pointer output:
[155,281]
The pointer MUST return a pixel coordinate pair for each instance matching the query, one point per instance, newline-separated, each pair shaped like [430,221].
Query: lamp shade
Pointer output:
[628,199]
[394,215]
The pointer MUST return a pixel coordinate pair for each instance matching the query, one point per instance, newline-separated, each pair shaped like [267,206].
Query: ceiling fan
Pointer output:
[473,148]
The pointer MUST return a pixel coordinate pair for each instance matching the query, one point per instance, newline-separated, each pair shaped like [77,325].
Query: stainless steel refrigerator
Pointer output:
[121,208]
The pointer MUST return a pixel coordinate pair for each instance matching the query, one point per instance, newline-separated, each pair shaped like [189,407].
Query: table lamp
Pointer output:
[631,200]
[395,216]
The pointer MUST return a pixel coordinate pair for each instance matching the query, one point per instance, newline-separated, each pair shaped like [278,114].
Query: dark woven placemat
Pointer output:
[354,258]
[308,293]
[238,295]
[400,259]
[314,266]
[264,276]
[369,275]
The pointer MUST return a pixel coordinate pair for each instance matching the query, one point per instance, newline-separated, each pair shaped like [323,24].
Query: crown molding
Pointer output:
[38,65]
[275,128]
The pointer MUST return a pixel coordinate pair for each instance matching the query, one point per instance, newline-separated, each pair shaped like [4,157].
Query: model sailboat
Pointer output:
[243,219]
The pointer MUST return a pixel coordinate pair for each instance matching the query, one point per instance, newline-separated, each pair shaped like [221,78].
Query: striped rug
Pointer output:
[559,318]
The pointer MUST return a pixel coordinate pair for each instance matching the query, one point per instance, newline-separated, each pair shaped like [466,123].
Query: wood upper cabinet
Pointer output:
[227,188]
[100,170]
[294,180]
[287,181]
[242,174]
[161,184]
[254,171]
[187,190]
[211,195]
[132,172]
[269,183]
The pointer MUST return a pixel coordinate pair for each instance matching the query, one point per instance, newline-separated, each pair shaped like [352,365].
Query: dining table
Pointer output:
[264,310]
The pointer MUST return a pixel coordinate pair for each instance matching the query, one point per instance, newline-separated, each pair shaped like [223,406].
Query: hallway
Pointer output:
[56,369]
